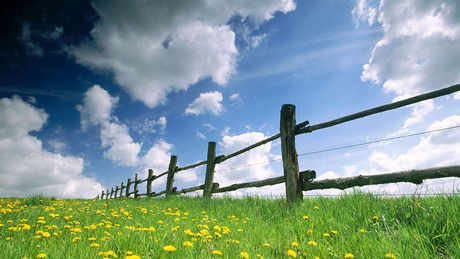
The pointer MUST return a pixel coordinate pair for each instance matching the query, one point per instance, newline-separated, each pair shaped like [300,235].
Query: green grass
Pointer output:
[359,225]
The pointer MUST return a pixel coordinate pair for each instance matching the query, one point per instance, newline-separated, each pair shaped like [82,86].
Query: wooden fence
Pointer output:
[295,181]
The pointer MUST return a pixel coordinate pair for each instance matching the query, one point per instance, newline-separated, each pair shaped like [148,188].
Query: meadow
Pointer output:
[357,225]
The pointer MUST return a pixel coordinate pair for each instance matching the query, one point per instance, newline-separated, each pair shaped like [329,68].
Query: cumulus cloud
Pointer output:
[97,107]
[420,48]
[97,111]
[206,102]
[122,149]
[249,166]
[157,47]
[27,168]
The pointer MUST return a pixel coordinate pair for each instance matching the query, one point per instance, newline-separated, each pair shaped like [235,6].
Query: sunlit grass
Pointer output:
[352,226]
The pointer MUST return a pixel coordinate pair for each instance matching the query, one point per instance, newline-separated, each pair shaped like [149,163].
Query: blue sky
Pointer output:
[93,92]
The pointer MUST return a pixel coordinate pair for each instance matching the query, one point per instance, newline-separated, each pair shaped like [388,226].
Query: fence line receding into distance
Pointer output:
[296,181]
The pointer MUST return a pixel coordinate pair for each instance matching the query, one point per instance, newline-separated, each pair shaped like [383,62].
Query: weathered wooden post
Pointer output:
[289,154]
[102,195]
[116,191]
[127,187]
[170,179]
[121,189]
[210,165]
[149,183]
[107,195]
[136,181]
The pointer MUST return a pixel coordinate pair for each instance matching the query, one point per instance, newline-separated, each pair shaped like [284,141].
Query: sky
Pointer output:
[93,92]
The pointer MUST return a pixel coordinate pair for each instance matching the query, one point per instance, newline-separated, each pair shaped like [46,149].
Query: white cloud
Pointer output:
[248,166]
[18,118]
[363,12]
[157,47]
[437,149]
[27,168]
[150,126]
[122,150]
[457,96]
[97,110]
[31,38]
[206,102]
[419,49]
[97,107]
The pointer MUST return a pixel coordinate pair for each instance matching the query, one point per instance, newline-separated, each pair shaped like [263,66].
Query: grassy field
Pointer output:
[352,226]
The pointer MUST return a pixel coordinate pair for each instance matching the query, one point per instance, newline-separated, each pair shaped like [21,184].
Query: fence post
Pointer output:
[102,195]
[121,189]
[107,195]
[170,179]
[289,154]
[116,191]
[135,187]
[149,183]
[208,182]
[127,187]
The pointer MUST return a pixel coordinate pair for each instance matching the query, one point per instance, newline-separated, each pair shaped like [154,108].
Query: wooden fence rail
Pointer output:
[295,181]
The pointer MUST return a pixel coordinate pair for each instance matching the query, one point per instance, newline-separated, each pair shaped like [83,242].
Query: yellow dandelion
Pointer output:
[26,227]
[92,239]
[94,245]
[305,217]
[294,244]
[312,243]
[375,218]
[334,232]
[316,208]
[266,244]
[217,252]
[42,255]
[326,235]
[169,248]
[129,252]
[309,232]
[390,255]
[187,243]
[292,253]
[76,239]
[362,231]
[244,255]
[349,255]
[132,257]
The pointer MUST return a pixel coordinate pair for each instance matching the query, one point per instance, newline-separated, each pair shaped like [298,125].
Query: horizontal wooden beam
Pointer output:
[386,107]
[411,176]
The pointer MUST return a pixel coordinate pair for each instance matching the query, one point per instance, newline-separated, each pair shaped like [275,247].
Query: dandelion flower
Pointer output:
[76,239]
[309,232]
[94,245]
[292,253]
[316,208]
[362,231]
[266,244]
[390,255]
[132,257]
[326,235]
[244,255]
[375,218]
[294,244]
[349,255]
[42,255]
[187,243]
[217,252]
[305,217]
[334,232]
[312,243]
[169,248]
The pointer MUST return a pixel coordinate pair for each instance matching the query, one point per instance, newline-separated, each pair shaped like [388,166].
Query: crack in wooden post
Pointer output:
[289,154]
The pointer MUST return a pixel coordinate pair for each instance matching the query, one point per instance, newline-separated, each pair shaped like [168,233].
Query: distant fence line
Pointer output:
[295,181]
